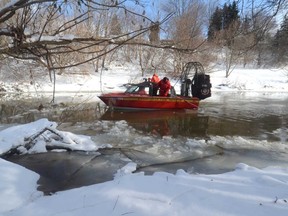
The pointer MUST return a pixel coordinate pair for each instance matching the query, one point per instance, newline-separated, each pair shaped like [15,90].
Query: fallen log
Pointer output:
[29,142]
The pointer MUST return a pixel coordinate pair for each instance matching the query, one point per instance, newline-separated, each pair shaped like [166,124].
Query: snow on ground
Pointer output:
[113,77]
[244,191]
[274,80]
[240,79]
[20,135]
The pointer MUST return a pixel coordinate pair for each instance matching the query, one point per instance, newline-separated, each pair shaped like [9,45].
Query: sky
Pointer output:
[245,191]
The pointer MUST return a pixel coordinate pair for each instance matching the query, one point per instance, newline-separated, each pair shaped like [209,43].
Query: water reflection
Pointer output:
[163,123]
[65,170]
[26,111]
[260,116]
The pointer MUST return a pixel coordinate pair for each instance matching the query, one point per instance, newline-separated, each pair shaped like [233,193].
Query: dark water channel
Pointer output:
[229,128]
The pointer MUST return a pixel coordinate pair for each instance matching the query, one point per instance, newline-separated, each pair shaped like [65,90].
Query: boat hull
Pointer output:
[127,101]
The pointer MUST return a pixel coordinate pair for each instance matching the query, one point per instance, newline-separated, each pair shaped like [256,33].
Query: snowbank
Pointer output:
[112,79]
[245,191]
[35,136]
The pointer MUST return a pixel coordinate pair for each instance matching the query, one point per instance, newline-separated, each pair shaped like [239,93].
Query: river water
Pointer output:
[228,129]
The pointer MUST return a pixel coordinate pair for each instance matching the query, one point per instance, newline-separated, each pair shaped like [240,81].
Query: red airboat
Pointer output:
[140,96]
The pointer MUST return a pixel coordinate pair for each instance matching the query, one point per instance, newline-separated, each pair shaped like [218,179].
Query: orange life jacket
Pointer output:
[155,79]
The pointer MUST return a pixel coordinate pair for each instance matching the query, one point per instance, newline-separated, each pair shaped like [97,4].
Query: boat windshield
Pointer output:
[138,89]
[132,89]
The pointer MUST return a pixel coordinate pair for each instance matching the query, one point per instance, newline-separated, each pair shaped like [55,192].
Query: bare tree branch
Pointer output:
[10,10]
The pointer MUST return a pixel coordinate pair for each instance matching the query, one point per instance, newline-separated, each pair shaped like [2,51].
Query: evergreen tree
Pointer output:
[225,17]
[215,23]
[222,19]
[232,13]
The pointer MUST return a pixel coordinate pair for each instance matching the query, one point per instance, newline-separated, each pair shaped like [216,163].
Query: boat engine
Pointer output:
[199,86]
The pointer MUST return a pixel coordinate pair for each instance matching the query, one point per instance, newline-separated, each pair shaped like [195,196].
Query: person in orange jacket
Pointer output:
[164,87]
[155,80]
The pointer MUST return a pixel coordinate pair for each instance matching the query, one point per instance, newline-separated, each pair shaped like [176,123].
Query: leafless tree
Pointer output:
[186,29]
[245,40]
[48,31]
[59,34]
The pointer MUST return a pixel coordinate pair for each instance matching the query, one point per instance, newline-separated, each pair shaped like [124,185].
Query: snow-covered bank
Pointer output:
[42,133]
[113,78]
[18,186]
[259,80]
[245,191]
